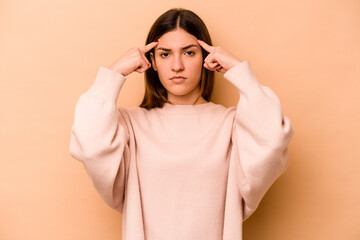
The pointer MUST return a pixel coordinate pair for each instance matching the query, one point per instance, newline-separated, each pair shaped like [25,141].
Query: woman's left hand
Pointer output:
[218,59]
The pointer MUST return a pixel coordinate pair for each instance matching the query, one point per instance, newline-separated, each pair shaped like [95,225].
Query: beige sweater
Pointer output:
[182,172]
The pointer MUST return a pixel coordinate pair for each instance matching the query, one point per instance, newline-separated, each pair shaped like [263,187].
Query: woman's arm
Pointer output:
[261,134]
[99,137]
[100,133]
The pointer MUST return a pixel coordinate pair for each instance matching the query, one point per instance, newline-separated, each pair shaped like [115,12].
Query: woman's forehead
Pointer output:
[177,39]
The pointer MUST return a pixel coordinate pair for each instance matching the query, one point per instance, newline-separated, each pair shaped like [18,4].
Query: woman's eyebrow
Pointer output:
[184,48]
[189,46]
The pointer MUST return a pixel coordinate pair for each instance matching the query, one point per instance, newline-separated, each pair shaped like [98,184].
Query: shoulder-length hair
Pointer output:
[155,93]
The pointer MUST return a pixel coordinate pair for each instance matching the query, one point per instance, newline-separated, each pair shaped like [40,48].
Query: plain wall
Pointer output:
[307,51]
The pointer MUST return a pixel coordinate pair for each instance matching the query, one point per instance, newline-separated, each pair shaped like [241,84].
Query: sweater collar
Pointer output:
[179,108]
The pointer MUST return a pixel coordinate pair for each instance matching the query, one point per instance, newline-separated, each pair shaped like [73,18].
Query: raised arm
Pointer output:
[100,132]
[261,132]
[99,137]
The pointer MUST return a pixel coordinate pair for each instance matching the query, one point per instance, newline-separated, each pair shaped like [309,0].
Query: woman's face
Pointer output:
[178,60]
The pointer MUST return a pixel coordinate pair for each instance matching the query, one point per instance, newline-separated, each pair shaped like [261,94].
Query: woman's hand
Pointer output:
[133,60]
[218,59]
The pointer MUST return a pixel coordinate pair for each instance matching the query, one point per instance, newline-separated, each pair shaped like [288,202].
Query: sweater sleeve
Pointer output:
[261,133]
[99,137]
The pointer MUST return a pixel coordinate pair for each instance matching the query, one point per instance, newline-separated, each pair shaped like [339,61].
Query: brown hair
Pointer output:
[155,93]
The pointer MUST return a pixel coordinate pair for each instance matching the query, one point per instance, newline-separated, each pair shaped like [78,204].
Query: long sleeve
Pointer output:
[99,137]
[260,136]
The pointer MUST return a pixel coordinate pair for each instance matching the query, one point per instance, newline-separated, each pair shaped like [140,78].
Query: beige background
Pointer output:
[307,51]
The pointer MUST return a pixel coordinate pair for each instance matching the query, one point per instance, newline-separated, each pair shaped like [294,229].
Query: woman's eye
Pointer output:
[190,53]
[164,54]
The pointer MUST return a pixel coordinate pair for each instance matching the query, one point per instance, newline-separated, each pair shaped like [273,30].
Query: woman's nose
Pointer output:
[177,64]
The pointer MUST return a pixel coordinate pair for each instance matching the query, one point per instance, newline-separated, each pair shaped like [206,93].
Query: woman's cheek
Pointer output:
[197,64]
[161,67]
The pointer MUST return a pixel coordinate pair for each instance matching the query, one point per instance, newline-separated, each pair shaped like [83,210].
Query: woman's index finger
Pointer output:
[205,46]
[148,47]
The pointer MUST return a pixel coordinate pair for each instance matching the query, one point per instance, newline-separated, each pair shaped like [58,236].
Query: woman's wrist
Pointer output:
[116,69]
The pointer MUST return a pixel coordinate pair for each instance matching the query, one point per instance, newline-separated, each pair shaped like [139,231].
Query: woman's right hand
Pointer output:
[133,60]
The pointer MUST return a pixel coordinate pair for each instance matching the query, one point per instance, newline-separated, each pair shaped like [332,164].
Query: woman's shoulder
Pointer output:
[225,112]
[221,107]
[137,113]
[133,110]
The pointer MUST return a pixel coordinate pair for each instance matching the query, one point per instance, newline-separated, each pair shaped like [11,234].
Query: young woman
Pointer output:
[180,166]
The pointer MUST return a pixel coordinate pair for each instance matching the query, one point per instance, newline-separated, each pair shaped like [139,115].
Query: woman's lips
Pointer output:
[178,79]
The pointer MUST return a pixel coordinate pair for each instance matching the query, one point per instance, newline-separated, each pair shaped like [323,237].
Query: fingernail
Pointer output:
[199,39]
[156,41]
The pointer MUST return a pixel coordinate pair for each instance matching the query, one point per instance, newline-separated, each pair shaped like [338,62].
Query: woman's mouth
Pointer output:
[178,79]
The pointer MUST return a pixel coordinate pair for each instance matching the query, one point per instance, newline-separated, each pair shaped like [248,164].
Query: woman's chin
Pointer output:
[180,93]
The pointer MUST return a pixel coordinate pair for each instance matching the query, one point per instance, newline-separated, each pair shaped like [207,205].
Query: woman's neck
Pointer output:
[186,100]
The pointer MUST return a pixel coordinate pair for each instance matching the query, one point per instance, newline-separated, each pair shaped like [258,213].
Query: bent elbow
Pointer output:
[283,135]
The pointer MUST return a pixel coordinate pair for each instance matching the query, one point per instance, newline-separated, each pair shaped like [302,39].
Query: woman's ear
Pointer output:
[153,63]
